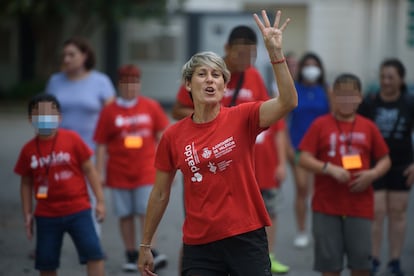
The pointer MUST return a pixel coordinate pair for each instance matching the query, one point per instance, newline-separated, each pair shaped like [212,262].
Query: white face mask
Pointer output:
[311,73]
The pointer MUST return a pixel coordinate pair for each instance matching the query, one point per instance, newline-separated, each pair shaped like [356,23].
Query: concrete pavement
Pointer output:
[14,247]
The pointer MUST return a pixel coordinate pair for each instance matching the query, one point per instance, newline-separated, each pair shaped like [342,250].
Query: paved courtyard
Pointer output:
[14,247]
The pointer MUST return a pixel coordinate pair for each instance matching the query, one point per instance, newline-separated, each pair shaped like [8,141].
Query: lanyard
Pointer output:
[348,140]
[47,166]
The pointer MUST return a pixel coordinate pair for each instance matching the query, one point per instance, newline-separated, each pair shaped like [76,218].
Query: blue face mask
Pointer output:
[45,124]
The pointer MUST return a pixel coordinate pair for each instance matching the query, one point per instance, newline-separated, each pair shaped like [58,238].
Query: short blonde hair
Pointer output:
[208,59]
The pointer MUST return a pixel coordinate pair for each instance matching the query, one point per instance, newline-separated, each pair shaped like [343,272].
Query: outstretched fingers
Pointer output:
[285,24]
[259,22]
[266,22]
[277,19]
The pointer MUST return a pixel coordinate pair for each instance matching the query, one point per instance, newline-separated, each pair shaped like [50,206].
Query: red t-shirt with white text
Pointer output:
[329,140]
[59,159]
[130,166]
[266,156]
[221,195]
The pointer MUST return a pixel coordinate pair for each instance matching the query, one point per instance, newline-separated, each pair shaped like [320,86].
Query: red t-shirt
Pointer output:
[266,158]
[59,159]
[222,197]
[130,164]
[253,89]
[328,140]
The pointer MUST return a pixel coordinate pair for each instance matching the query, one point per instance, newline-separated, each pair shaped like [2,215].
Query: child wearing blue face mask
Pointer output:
[53,166]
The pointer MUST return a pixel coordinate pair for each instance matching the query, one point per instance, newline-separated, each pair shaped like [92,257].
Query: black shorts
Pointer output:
[244,254]
[393,180]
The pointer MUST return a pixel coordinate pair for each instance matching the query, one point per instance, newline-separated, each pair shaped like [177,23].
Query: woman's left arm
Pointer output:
[276,108]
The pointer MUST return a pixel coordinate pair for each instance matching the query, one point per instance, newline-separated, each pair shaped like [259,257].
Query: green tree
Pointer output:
[51,21]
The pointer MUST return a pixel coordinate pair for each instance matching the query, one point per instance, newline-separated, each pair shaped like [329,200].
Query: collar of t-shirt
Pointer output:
[126,103]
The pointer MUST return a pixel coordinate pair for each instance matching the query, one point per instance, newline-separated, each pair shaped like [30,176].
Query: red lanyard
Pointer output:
[48,164]
[348,140]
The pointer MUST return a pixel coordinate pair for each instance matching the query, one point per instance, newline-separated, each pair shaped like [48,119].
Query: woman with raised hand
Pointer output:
[224,228]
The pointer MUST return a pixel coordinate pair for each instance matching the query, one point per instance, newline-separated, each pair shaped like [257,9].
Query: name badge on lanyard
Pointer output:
[133,142]
[42,190]
[351,161]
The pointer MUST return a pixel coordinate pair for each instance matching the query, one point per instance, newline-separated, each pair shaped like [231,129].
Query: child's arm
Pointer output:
[94,179]
[100,155]
[26,195]
[309,162]
[281,141]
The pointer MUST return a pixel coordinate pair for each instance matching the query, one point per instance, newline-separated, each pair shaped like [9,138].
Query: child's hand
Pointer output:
[362,180]
[28,224]
[339,173]
[280,173]
[409,173]
[100,211]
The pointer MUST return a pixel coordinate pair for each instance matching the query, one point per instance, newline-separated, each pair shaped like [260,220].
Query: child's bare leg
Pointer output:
[96,268]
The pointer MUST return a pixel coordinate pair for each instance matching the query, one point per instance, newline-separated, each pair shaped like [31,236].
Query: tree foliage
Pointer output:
[50,21]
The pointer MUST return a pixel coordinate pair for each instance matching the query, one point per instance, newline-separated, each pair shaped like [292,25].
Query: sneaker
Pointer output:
[131,264]
[301,240]
[160,260]
[277,267]
[375,266]
[394,268]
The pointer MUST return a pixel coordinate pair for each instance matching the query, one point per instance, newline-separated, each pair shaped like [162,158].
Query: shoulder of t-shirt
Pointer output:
[245,105]
[148,100]
[55,77]
[368,124]
[102,77]
[110,106]
[58,75]
[68,133]
[28,144]
[323,119]
[178,126]
[243,109]
[99,75]
[253,71]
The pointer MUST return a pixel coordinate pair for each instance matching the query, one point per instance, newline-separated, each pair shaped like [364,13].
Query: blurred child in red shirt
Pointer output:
[127,134]
[347,153]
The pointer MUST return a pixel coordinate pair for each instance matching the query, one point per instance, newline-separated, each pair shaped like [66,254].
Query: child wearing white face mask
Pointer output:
[53,166]
[313,101]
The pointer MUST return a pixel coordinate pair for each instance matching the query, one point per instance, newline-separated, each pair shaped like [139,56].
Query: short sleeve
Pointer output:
[22,166]
[310,140]
[107,89]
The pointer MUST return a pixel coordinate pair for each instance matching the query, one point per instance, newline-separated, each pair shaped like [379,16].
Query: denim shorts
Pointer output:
[49,239]
[244,254]
[128,202]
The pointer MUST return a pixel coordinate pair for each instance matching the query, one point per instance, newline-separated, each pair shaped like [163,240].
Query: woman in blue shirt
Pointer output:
[313,101]
[82,93]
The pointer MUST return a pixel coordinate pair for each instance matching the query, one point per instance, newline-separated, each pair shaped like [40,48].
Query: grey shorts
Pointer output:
[273,200]
[337,237]
[128,202]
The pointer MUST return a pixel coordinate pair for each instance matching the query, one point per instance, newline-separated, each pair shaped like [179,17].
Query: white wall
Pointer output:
[161,76]
[350,35]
